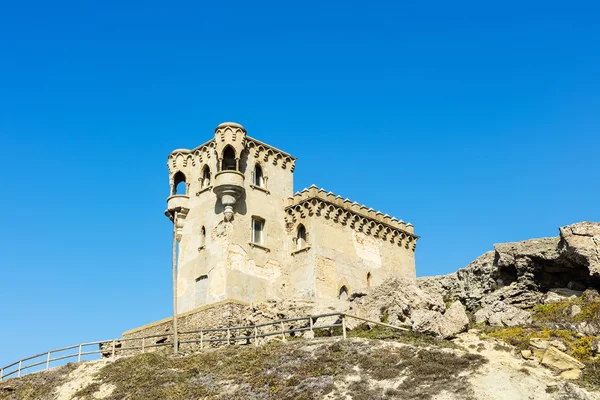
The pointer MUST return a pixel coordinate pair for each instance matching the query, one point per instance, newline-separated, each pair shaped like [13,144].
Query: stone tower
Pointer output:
[243,235]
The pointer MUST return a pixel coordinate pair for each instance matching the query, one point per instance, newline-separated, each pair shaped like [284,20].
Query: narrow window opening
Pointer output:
[179,184]
[369,279]
[205,177]
[257,230]
[202,237]
[201,277]
[301,237]
[259,179]
[343,295]
[229,163]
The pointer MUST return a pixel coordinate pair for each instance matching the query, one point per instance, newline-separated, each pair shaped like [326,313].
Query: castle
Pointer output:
[243,235]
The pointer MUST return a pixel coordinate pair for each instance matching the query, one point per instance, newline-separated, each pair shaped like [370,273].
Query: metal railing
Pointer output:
[111,348]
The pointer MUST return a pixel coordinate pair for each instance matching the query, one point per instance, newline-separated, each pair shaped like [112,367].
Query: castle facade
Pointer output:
[242,233]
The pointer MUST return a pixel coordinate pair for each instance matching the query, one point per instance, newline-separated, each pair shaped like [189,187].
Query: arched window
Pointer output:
[202,237]
[179,184]
[205,177]
[229,162]
[343,293]
[369,276]
[259,179]
[300,237]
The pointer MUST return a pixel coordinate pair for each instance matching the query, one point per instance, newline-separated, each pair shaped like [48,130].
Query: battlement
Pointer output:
[317,201]
[204,152]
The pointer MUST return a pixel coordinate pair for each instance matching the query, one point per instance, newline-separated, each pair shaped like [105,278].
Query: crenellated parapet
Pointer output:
[317,202]
[271,154]
[184,158]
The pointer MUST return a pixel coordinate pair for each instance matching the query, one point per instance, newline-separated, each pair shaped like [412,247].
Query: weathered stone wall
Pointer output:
[224,314]
[353,257]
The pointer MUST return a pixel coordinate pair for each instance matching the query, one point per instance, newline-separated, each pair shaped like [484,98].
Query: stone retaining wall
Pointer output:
[224,314]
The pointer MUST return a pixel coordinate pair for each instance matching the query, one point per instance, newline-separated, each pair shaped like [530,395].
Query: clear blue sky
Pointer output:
[478,123]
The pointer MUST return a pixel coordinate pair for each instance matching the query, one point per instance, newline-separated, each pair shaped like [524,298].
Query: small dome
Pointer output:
[181,151]
[232,124]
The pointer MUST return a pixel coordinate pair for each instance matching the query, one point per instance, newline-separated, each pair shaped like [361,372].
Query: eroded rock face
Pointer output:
[394,301]
[469,284]
[502,314]
[581,243]
[520,273]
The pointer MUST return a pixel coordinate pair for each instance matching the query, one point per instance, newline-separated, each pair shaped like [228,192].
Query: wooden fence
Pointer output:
[231,335]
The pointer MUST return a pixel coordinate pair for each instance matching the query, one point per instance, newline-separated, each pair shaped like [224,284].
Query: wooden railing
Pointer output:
[113,347]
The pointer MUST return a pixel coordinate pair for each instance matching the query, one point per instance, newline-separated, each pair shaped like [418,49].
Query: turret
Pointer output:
[230,140]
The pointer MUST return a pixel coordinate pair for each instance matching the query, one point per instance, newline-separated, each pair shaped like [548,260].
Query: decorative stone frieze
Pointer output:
[203,153]
[317,202]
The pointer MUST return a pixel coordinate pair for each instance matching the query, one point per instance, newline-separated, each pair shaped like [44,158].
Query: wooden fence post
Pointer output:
[311,326]
[79,354]
[201,340]
[48,362]
[19,371]
[344,325]
[256,336]
[228,336]
[282,332]
[1,374]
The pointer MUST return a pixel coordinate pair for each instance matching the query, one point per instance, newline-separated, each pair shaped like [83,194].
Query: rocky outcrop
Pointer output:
[520,274]
[394,301]
[581,243]
[469,285]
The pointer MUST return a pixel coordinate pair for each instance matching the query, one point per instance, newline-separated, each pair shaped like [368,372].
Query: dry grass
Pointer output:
[296,370]
[36,386]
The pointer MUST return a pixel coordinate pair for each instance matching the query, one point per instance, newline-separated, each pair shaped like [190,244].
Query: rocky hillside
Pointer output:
[371,364]
[519,322]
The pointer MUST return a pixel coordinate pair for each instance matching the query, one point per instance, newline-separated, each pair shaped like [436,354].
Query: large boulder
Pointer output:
[445,326]
[455,320]
[502,314]
[556,359]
